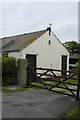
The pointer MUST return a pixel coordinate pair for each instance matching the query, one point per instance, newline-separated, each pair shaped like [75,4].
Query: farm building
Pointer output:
[41,48]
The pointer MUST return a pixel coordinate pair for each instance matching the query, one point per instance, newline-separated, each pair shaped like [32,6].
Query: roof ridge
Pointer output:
[24,34]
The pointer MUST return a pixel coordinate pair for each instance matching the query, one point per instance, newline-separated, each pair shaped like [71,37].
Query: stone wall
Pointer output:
[21,72]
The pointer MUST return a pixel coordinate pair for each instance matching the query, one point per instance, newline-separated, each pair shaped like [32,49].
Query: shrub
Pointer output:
[9,71]
[78,69]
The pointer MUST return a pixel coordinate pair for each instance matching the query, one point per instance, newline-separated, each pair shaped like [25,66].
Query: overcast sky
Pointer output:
[25,17]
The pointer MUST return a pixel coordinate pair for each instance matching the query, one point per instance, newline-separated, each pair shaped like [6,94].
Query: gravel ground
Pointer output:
[34,103]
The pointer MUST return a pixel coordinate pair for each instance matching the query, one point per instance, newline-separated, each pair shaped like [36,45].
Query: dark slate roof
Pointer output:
[19,42]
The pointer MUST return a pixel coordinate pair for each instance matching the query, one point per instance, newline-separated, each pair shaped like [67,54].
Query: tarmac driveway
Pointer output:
[34,103]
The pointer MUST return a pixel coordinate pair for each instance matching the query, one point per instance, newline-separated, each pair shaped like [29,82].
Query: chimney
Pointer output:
[49,28]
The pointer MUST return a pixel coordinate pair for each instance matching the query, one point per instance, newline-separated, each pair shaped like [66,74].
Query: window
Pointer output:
[49,42]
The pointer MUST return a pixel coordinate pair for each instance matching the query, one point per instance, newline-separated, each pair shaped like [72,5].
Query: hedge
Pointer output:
[78,69]
[9,71]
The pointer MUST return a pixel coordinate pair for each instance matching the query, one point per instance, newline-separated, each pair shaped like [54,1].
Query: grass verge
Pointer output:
[6,90]
[31,86]
[74,114]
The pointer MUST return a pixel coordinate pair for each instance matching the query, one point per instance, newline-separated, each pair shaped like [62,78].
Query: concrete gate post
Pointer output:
[21,71]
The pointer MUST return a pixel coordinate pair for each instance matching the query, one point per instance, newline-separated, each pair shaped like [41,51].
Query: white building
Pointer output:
[41,48]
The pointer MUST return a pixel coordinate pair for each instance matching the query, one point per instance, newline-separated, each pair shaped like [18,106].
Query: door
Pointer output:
[32,63]
[64,65]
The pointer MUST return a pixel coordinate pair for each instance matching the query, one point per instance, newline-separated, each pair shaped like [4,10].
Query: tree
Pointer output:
[73,47]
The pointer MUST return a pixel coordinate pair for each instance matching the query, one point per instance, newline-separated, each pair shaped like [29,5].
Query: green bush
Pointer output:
[74,114]
[78,69]
[9,71]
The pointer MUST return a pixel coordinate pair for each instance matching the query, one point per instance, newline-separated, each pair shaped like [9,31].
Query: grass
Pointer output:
[47,82]
[6,90]
[54,83]
[37,85]
[0,89]
[31,86]
[74,114]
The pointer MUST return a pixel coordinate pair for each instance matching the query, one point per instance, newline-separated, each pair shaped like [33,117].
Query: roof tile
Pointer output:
[18,42]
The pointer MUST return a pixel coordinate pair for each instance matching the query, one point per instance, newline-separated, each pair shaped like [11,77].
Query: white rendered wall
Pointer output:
[0,55]
[16,54]
[48,56]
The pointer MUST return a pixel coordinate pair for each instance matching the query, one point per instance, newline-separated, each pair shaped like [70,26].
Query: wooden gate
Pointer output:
[46,78]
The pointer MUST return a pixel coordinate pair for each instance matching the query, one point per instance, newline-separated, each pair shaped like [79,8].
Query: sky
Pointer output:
[25,17]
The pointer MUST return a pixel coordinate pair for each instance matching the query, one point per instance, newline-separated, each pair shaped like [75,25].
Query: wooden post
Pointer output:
[78,87]
[27,69]
[28,76]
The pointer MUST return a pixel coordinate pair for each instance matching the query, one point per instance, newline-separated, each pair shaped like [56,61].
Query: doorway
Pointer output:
[64,65]
[32,63]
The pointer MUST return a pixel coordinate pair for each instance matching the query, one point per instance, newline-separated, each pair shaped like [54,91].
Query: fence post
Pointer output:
[28,76]
[78,74]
